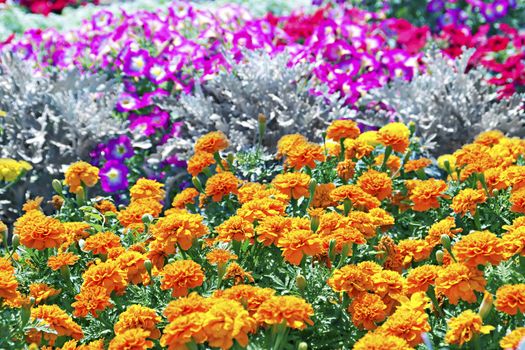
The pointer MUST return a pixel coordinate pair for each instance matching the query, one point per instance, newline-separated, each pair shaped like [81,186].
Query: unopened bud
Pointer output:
[147,219]
[197,183]
[300,282]
[313,187]
[331,250]
[486,304]
[148,265]
[440,256]
[65,272]
[314,223]
[57,186]
[445,240]
[347,248]
[302,346]
[16,241]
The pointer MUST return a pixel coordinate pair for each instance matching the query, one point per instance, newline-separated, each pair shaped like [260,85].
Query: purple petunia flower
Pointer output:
[114,176]
[136,62]
[435,6]
[119,148]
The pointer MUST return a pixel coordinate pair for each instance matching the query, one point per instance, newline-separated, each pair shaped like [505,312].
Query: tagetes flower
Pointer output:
[220,256]
[39,232]
[358,197]
[81,173]
[513,340]
[445,226]
[138,317]
[180,276]
[356,149]
[395,135]
[457,282]
[495,179]
[220,185]
[182,330]
[225,321]
[199,161]
[235,228]
[322,197]
[296,244]
[212,142]
[104,206]
[517,199]
[294,185]
[465,327]
[489,138]
[32,204]
[380,341]
[131,339]
[131,217]
[510,298]
[408,324]
[515,176]
[259,209]
[342,129]
[467,200]
[58,320]
[304,155]
[252,297]
[106,274]
[289,142]
[41,291]
[271,229]
[394,259]
[345,169]
[414,250]
[76,231]
[296,312]
[91,300]
[393,163]
[416,164]
[514,242]
[420,278]
[351,279]
[178,229]
[132,263]
[101,243]
[187,196]
[479,248]
[375,183]
[8,282]
[183,306]
[62,259]
[236,273]
[425,194]
[367,310]
[147,189]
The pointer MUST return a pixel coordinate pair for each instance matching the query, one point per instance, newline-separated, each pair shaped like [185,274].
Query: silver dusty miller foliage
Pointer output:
[450,105]
[232,101]
[51,121]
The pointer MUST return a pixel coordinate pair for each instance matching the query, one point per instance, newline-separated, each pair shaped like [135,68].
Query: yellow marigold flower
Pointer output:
[259,209]
[465,327]
[104,206]
[357,149]
[369,137]
[220,185]
[32,204]
[102,242]
[272,228]
[289,142]
[132,263]
[147,189]
[41,292]
[296,244]
[420,278]
[456,281]
[131,339]
[180,276]
[379,341]
[414,250]
[251,297]
[39,232]
[58,320]
[358,197]
[11,169]
[225,321]
[187,196]
[131,217]
[416,164]
[514,242]
[138,317]
[293,185]
[395,135]
[106,274]
[342,129]
[489,138]
[200,161]
[183,306]
[220,256]
[236,273]
[235,228]
[345,169]
[179,229]
[367,310]
[62,259]
[304,155]
[322,197]
[467,200]
[91,300]
[351,279]
[479,248]
[81,173]
[442,227]
[425,194]
[375,183]
[510,298]
[513,340]
[296,312]
[517,199]
[212,142]
[408,324]
[182,330]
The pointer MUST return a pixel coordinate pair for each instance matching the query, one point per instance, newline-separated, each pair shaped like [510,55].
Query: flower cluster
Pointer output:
[11,170]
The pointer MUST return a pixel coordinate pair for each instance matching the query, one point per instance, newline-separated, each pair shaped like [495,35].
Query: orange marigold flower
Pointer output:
[235,228]
[382,218]
[76,231]
[32,204]
[106,274]
[180,276]
[456,281]
[489,138]
[513,340]
[294,185]
[395,135]
[467,200]
[388,283]
[187,196]
[102,242]
[212,142]
[62,259]
[465,327]
[367,310]
[351,279]
[58,320]
[425,194]
[147,189]
[510,298]
[39,232]
[251,297]
[296,312]
[200,161]
[345,169]
[81,173]
[178,229]
[479,248]
[364,222]
[183,330]
[251,190]
[420,278]
[91,300]
[220,185]
[514,242]
[138,317]
[442,227]
[220,257]
[304,155]
[272,228]
[393,163]
[296,244]
[259,209]
[342,129]
[416,164]
[41,292]
[104,206]
[376,183]
[517,199]
[289,142]
[495,179]
[358,197]
[131,217]
[132,263]
[408,324]
[183,306]
[414,250]
[379,341]
[131,339]
[8,282]
[343,236]
[322,197]
[387,247]
[515,175]
[237,274]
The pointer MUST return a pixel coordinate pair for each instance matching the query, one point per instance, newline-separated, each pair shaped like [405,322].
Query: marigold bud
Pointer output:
[57,186]
[445,241]
[302,346]
[440,256]
[486,305]
[300,282]
[147,218]
[16,241]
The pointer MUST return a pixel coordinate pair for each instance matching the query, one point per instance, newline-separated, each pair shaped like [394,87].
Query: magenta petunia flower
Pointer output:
[114,176]
[119,148]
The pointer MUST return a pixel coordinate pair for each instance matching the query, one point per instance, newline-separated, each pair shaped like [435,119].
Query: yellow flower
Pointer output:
[463,328]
